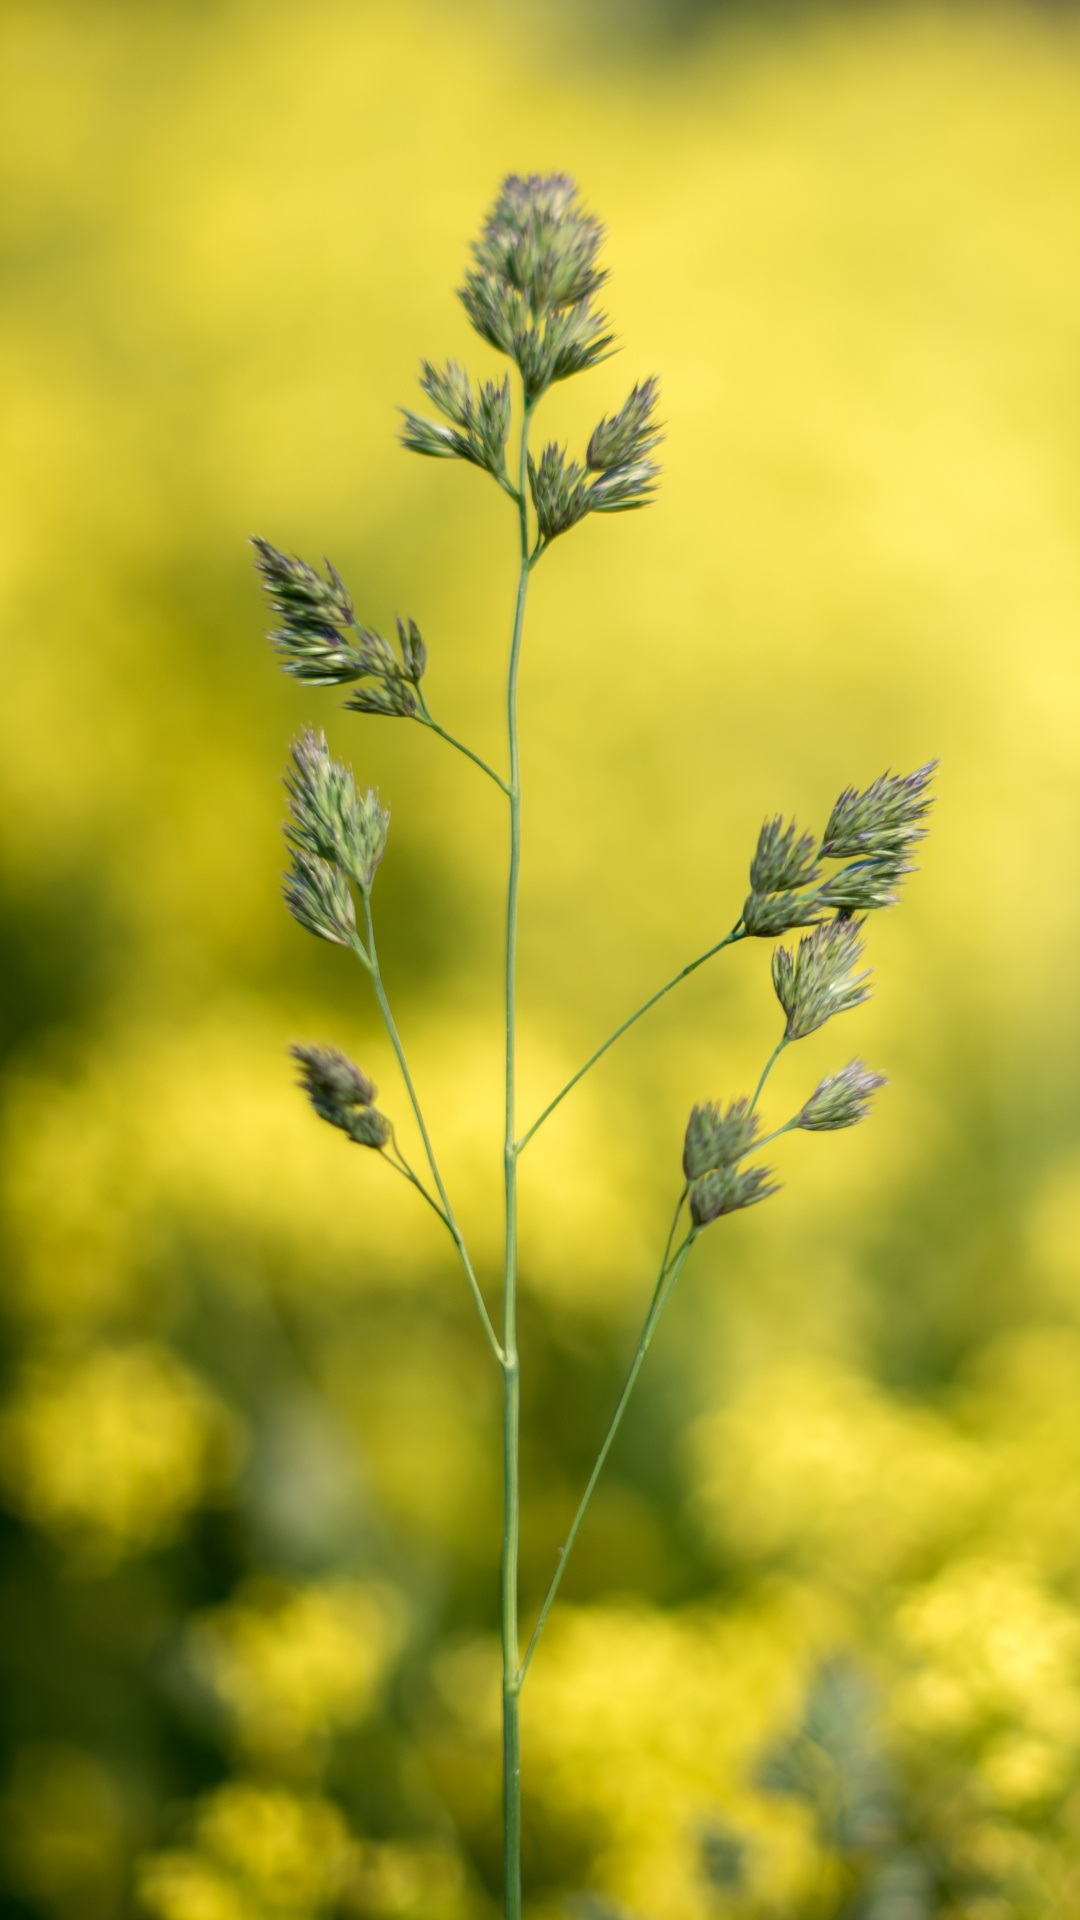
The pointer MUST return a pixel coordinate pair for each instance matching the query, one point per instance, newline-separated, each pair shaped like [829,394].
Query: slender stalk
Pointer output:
[669,1273]
[673,1229]
[737,933]
[426,720]
[401,1165]
[767,1069]
[447,1209]
[511,1367]
[774,1135]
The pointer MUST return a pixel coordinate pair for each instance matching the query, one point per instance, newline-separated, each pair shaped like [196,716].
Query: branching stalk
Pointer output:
[777,1132]
[447,1209]
[529,292]
[766,1070]
[669,1272]
[426,720]
[737,933]
[511,1368]
[396,1159]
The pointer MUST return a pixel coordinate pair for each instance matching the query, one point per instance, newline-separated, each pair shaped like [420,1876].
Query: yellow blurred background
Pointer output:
[820,1653]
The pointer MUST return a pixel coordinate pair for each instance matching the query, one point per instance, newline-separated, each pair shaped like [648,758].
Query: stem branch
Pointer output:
[511,1368]
[774,1135]
[669,1272]
[767,1069]
[401,1165]
[692,966]
[425,719]
[447,1209]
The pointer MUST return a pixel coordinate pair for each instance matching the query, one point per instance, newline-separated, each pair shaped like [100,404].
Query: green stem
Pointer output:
[774,1135]
[669,1273]
[425,719]
[401,1165]
[511,1368]
[767,1069]
[737,933]
[448,1211]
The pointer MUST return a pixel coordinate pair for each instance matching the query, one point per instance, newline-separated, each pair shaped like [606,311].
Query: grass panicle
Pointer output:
[530,292]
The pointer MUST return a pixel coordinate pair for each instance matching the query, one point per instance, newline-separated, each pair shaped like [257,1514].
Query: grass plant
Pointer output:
[530,292]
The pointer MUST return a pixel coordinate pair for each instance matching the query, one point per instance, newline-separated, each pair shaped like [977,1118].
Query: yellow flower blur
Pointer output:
[821,1635]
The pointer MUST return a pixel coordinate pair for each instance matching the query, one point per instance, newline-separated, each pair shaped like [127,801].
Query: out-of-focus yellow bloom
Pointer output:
[202,1130]
[421,1879]
[641,1730]
[999,1662]
[814,1467]
[257,1851]
[183,1886]
[224,266]
[112,1451]
[1021,1408]
[263,1853]
[292,1665]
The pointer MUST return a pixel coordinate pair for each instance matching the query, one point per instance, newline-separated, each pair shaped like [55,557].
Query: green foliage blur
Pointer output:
[820,1652]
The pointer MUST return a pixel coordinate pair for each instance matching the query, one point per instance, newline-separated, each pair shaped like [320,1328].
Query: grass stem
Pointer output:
[447,1209]
[433,726]
[692,966]
[511,1367]
[670,1270]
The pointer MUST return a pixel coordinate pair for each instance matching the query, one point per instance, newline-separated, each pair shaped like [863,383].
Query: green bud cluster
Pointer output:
[621,477]
[865,884]
[328,818]
[816,981]
[318,897]
[887,818]
[389,687]
[321,643]
[342,1095]
[479,423]
[625,440]
[336,836]
[841,1100]
[529,292]
[715,1143]
[767,914]
[315,639]
[717,1139]
[783,859]
[559,491]
[818,978]
[873,830]
[617,454]
[729,1190]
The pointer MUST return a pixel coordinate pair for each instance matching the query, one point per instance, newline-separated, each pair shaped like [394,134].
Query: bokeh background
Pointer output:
[821,1649]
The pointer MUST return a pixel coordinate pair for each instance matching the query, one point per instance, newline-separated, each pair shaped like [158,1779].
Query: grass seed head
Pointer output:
[729,1190]
[328,819]
[888,817]
[535,270]
[717,1139]
[818,978]
[842,1099]
[341,1094]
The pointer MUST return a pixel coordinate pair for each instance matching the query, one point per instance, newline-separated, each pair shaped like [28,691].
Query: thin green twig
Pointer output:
[401,1165]
[767,1069]
[511,1684]
[448,1211]
[425,719]
[737,933]
[775,1135]
[670,1270]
